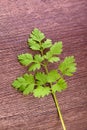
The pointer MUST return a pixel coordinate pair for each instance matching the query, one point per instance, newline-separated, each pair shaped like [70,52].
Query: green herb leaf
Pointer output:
[48,55]
[41,78]
[34,66]
[56,48]
[28,89]
[54,59]
[25,59]
[38,58]
[41,91]
[53,75]
[59,86]
[68,66]
[47,44]
[44,83]
[33,44]
[37,35]
[22,88]
[23,82]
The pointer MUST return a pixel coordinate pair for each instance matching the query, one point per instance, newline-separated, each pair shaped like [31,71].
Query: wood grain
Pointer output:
[64,20]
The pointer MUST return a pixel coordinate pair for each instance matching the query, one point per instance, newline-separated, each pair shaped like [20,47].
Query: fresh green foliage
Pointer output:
[33,44]
[25,59]
[24,83]
[59,86]
[41,91]
[38,58]
[54,59]
[68,66]
[56,48]
[47,44]
[41,78]
[37,35]
[44,81]
[53,76]
[34,66]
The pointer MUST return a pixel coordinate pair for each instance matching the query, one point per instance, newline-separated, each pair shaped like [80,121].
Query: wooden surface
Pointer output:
[64,20]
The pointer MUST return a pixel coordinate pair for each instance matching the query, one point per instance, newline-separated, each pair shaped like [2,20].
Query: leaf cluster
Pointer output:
[43,83]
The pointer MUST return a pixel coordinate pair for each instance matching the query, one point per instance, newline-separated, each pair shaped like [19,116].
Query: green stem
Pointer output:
[59,112]
[46,69]
[56,103]
[55,99]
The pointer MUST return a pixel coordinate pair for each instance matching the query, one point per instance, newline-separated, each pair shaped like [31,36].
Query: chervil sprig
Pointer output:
[43,83]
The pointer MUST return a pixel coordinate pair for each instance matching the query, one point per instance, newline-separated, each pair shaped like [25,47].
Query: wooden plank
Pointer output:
[64,20]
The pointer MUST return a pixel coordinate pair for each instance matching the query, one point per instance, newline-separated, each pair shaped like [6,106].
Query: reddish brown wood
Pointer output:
[64,20]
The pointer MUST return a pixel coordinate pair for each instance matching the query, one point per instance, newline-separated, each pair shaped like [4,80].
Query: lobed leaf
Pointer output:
[59,86]
[41,78]
[53,75]
[47,44]
[54,59]
[33,44]
[38,58]
[68,66]
[48,55]
[41,91]
[28,89]
[25,59]
[24,83]
[34,66]
[56,48]
[37,35]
